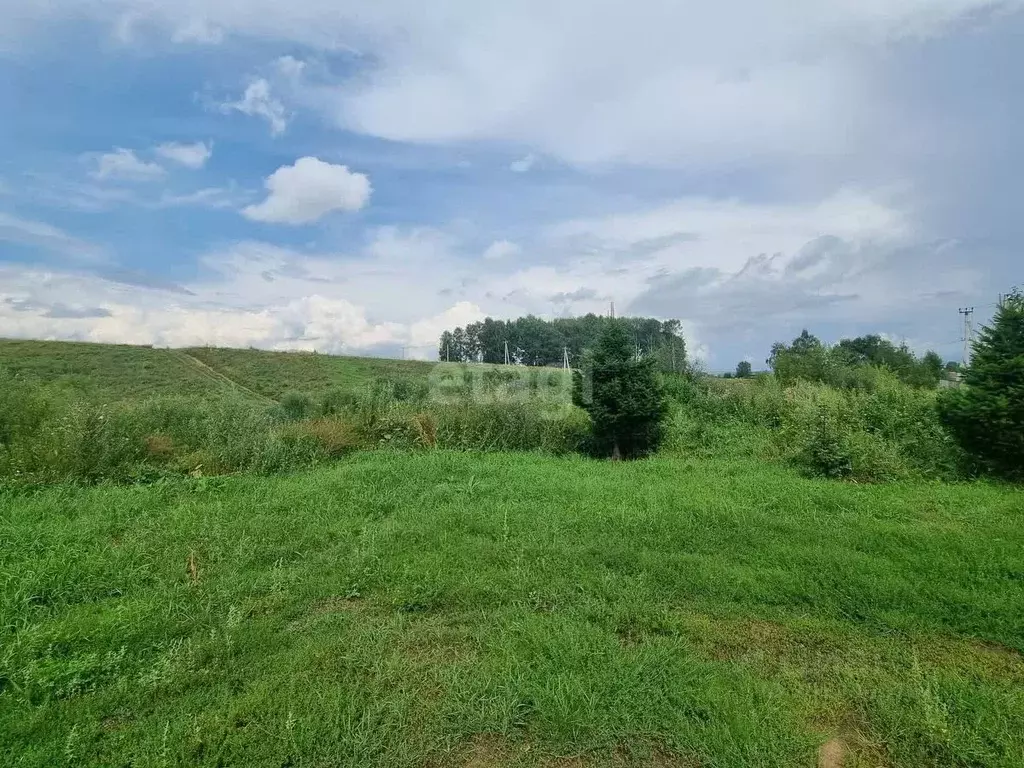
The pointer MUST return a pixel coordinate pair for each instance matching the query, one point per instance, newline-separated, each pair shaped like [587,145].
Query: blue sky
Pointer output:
[356,178]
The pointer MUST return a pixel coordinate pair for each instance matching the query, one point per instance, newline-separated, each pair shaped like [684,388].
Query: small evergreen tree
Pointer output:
[623,396]
[986,416]
[744,370]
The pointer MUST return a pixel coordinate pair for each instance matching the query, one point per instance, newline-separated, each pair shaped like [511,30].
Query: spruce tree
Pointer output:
[623,396]
[986,415]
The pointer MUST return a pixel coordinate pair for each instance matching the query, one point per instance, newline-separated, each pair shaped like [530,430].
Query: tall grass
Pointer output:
[888,431]
[47,437]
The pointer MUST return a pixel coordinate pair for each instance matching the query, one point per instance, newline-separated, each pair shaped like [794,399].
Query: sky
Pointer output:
[356,177]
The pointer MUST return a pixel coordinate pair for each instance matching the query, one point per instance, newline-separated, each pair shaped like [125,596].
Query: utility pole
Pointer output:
[506,353]
[565,358]
[968,333]
[611,311]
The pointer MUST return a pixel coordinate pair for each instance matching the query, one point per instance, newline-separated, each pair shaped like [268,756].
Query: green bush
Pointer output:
[295,406]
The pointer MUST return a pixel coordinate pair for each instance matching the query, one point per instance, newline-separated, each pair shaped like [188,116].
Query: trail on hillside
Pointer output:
[215,375]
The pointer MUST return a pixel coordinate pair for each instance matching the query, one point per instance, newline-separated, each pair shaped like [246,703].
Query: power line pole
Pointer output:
[611,311]
[565,358]
[506,353]
[968,333]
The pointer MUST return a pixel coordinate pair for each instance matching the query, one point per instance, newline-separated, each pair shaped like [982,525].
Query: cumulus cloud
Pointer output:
[308,190]
[501,249]
[190,155]
[252,294]
[257,101]
[124,164]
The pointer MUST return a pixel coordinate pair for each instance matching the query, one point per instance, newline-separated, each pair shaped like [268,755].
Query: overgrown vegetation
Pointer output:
[480,596]
[890,432]
[46,436]
[852,363]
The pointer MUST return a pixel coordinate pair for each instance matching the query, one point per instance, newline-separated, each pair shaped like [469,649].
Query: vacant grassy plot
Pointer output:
[438,608]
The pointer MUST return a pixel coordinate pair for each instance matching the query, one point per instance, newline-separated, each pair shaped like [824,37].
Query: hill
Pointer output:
[110,373]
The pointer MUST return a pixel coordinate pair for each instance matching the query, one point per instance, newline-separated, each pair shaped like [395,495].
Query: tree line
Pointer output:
[848,364]
[534,341]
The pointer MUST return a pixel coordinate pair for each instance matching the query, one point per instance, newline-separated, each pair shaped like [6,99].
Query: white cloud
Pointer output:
[39,234]
[425,333]
[290,67]
[524,164]
[501,249]
[730,270]
[257,101]
[648,82]
[309,189]
[190,155]
[125,164]
[209,197]
[198,30]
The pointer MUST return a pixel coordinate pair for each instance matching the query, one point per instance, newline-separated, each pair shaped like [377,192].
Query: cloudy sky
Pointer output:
[355,177]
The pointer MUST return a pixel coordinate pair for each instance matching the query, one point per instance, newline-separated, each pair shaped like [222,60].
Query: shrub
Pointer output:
[295,406]
[986,415]
[335,401]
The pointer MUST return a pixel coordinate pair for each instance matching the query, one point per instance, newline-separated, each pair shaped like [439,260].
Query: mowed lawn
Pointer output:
[443,609]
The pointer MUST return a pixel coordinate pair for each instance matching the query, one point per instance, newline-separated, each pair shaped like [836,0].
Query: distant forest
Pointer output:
[534,341]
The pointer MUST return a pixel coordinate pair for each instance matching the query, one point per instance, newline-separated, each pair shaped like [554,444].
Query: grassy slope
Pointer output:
[477,610]
[109,372]
[274,373]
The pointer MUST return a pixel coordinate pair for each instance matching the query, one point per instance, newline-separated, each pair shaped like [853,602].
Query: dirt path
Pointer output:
[832,754]
[215,375]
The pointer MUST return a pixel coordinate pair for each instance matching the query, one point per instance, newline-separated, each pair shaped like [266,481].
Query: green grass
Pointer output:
[274,373]
[109,373]
[438,608]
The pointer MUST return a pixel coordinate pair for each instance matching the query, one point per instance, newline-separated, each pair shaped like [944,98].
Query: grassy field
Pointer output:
[109,373]
[437,608]
[199,566]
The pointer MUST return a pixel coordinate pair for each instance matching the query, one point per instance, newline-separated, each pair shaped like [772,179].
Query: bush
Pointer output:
[295,406]
[335,401]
